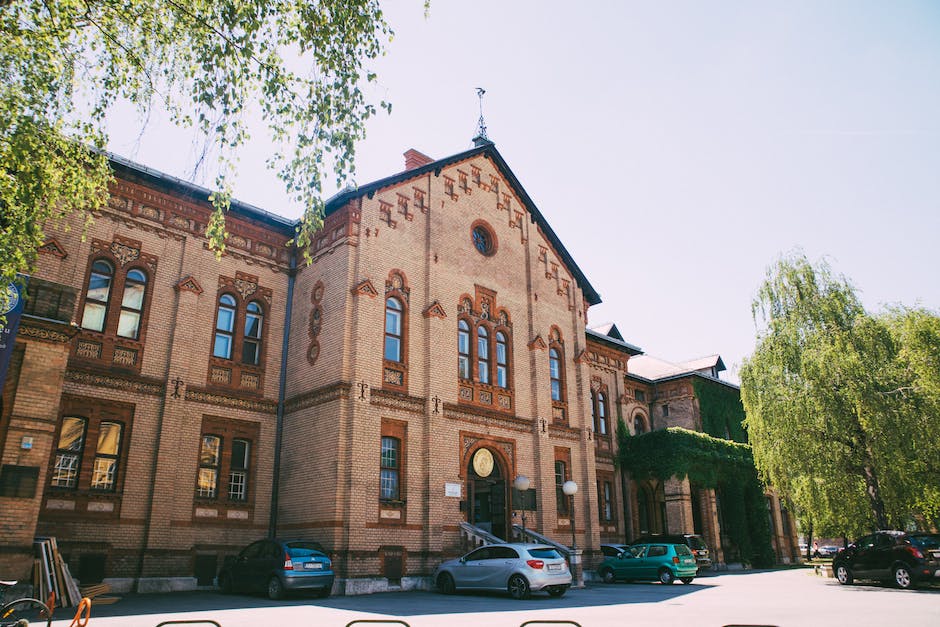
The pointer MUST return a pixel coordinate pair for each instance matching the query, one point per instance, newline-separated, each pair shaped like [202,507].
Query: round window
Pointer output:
[483,240]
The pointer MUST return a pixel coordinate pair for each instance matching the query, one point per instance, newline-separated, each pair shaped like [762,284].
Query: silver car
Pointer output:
[517,568]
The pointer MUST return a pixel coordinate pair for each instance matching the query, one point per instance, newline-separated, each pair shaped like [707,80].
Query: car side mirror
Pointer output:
[463,560]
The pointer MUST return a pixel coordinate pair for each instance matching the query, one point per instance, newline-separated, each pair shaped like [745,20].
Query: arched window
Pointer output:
[98,295]
[463,349]
[639,424]
[251,343]
[601,413]
[393,315]
[132,304]
[483,354]
[502,361]
[224,327]
[554,362]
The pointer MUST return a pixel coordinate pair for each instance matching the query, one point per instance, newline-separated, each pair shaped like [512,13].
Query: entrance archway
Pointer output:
[487,492]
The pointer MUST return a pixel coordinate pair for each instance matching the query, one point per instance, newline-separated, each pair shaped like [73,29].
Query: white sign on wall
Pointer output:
[452,489]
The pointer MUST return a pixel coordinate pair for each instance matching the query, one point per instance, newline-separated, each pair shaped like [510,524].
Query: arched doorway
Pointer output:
[487,493]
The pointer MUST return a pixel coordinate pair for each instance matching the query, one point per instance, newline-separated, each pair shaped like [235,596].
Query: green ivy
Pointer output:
[721,410]
[707,462]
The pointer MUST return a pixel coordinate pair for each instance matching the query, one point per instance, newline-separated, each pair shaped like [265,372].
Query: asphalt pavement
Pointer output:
[794,597]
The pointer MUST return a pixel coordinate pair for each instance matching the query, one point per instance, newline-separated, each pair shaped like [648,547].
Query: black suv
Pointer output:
[692,540]
[904,558]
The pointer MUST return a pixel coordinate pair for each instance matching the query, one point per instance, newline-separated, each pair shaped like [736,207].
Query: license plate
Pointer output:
[554,567]
[313,566]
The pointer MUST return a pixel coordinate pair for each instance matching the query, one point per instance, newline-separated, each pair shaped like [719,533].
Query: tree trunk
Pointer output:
[873,491]
[809,541]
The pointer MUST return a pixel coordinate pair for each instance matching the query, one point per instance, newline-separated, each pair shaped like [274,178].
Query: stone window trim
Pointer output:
[106,346]
[232,373]
[395,373]
[485,385]
[394,511]
[86,500]
[227,430]
[640,423]
[557,377]
[483,238]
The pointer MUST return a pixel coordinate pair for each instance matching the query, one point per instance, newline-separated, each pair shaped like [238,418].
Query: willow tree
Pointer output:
[834,416]
[300,65]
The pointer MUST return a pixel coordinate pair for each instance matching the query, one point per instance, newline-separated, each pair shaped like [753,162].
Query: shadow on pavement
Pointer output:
[413,603]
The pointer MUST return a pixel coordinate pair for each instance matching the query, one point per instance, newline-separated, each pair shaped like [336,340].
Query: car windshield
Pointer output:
[696,543]
[545,553]
[926,542]
[682,549]
[304,549]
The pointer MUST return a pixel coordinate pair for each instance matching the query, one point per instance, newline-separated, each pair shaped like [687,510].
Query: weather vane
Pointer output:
[481,132]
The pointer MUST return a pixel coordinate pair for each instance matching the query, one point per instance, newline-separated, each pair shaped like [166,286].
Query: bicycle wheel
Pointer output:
[25,612]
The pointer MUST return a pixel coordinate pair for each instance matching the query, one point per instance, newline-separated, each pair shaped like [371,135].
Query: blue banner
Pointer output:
[14,309]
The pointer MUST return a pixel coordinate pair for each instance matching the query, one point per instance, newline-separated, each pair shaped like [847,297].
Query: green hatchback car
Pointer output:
[650,562]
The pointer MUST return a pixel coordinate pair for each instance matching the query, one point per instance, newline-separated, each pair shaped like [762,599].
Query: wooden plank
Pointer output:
[74,595]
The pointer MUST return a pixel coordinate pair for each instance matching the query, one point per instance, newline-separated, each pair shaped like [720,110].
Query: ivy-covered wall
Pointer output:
[721,410]
[708,462]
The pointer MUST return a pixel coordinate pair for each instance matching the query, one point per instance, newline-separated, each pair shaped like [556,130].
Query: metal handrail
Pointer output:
[484,536]
[529,533]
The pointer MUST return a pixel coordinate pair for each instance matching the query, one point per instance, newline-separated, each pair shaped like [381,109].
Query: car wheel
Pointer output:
[225,584]
[666,577]
[275,589]
[902,577]
[844,575]
[607,575]
[687,580]
[519,587]
[557,591]
[445,584]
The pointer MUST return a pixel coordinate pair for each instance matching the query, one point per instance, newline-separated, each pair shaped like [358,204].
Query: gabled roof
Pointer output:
[705,363]
[489,151]
[609,334]
[197,192]
[610,330]
[654,369]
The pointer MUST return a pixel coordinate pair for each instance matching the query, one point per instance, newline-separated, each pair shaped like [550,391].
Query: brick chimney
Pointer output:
[415,159]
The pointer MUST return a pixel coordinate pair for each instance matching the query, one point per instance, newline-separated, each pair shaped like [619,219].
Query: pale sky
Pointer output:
[676,148]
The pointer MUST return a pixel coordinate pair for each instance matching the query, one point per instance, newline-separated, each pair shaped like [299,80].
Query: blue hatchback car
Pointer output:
[276,567]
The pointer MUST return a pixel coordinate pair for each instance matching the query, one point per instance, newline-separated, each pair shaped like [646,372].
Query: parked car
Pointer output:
[828,550]
[904,558]
[519,569]
[276,567]
[694,541]
[661,561]
[613,550]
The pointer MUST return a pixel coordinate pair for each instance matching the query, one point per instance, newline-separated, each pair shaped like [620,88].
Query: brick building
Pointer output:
[164,408]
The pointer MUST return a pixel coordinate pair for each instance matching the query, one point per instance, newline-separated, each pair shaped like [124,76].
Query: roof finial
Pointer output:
[481,137]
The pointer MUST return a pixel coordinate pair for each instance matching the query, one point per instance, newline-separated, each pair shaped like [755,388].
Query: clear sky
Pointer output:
[676,148]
